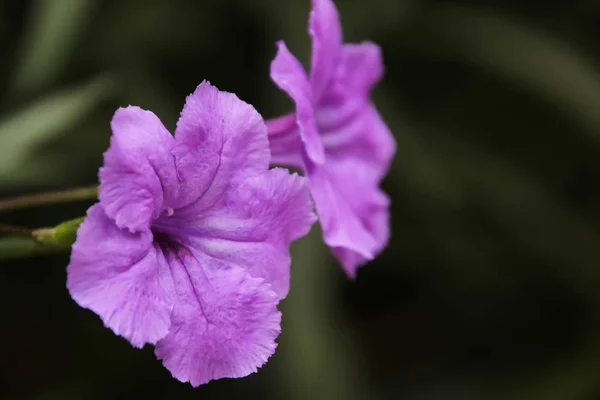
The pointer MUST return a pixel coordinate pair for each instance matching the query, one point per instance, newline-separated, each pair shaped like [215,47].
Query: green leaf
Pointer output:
[52,31]
[23,247]
[23,131]
[569,78]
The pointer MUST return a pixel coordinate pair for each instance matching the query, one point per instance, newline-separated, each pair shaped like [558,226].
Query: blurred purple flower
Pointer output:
[188,247]
[337,137]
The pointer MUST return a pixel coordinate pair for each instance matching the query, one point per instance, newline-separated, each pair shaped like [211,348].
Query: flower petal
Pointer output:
[219,139]
[138,173]
[345,194]
[279,203]
[254,227]
[224,324]
[354,217]
[361,135]
[358,146]
[375,217]
[121,277]
[288,74]
[360,67]
[285,142]
[349,124]
[326,32]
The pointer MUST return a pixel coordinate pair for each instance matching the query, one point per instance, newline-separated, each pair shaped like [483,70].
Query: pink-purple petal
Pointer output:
[280,200]
[341,225]
[289,75]
[285,142]
[254,227]
[224,323]
[362,136]
[360,67]
[359,147]
[122,277]
[138,175]
[188,248]
[219,140]
[375,217]
[356,186]
[326,32]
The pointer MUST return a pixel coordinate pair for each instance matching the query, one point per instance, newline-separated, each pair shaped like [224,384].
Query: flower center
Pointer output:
[165,241]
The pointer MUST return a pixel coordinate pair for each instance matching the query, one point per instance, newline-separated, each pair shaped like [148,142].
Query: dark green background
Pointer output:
[490,286]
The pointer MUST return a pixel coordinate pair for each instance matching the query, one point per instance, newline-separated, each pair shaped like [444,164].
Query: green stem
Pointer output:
[15,230]
[43,241]
[22,247]
[63,234]
[62,196]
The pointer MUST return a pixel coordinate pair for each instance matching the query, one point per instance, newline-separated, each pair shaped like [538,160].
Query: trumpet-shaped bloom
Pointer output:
[188,247]
[336,136]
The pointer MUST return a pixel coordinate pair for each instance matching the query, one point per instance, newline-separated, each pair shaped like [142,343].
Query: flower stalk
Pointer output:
[61,196]
[24,242]
[63,234]
[15,230]
[18,247]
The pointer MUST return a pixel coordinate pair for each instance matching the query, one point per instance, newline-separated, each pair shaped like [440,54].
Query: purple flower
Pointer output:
[188,247]
[337,137]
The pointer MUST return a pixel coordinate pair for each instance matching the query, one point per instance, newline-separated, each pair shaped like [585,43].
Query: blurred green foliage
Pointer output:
[489,288]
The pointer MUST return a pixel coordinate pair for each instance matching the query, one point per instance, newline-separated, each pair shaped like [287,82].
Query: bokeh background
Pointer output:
[490,286]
